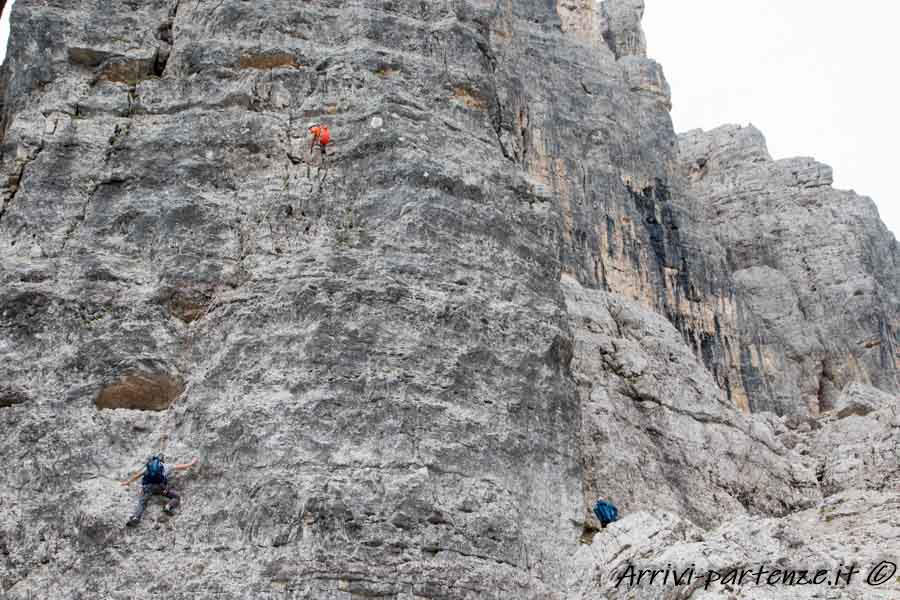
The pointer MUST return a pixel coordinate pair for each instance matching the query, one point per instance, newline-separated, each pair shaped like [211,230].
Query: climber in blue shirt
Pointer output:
[606,512]
[155,477]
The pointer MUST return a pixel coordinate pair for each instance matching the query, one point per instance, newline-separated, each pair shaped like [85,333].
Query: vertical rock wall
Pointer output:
[397,369]
[815,271]
[374,358]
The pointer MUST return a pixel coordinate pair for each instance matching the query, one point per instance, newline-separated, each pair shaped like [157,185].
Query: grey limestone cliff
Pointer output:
[815,271]
[409,374]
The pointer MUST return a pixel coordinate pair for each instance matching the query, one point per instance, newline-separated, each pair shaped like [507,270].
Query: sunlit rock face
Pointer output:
[410,369]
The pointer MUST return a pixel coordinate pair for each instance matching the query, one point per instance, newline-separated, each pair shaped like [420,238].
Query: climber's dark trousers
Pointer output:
[150,490]
[323,161]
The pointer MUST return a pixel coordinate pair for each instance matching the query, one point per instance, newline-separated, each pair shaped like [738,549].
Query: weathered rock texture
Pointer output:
[814,269]
[857,524]
[655,432]
[861,525]
[408,375]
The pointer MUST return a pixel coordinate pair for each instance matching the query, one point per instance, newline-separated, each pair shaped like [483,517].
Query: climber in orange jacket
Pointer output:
[321,137]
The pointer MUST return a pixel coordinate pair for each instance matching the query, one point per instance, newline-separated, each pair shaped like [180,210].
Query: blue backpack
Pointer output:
[606,512]
[155,472]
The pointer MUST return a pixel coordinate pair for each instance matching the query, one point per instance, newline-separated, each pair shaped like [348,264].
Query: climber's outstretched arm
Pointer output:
[132,479]
[186,466]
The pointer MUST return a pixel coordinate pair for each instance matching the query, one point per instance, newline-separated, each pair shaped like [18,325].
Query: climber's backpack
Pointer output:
[155,472]
[606,512]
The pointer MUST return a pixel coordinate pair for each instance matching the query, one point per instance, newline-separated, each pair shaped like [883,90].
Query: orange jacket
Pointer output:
[320,134]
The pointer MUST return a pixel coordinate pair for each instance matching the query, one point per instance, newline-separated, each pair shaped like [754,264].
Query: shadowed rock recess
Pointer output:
[515,289]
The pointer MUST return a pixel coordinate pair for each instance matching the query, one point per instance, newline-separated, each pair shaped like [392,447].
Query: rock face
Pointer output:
[856,526]
[859,449]
[409,370]
[815,271]
[141,391]
[656,434]
[861,525]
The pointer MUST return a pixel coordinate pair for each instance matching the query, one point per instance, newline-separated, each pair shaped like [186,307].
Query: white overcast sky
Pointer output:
[818,77]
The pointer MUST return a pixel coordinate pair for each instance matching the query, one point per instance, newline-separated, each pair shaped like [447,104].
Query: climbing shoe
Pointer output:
[132,522]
